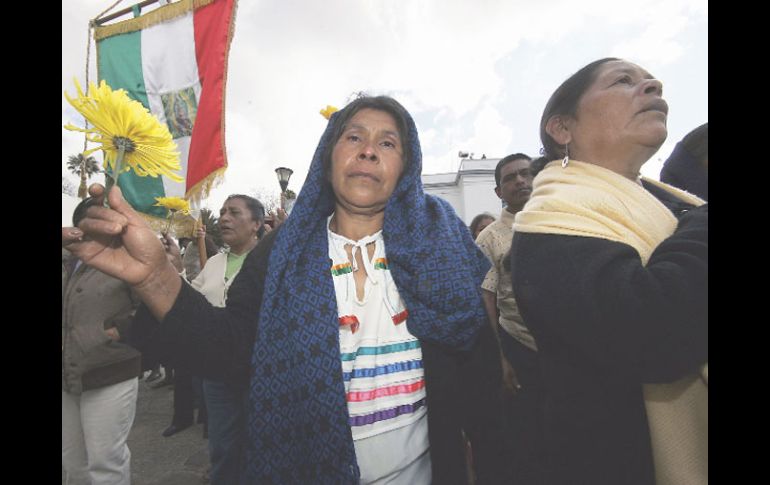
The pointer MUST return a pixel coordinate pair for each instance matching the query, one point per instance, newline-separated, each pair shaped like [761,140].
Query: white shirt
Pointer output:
[382,369]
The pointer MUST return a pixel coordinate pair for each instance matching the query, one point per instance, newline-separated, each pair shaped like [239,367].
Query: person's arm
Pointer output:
[510,383]
[489,296]
[489,285]
[279,217]
[596,300]
[490,304]
[214,342]
[200,234]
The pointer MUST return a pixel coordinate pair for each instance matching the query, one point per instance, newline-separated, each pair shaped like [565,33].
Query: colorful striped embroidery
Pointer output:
[354,323]
[384,349]
[350,320]
[365,419]
[381,263]
[385,391]
[382,370]
[400,317]
[341,269]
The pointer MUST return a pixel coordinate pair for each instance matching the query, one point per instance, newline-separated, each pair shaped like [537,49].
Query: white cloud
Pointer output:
[655,163]
[657,46]
[491,134]
[452,63]
[427,138]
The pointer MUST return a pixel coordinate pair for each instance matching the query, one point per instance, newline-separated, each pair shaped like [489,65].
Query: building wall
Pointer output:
[450,194]
[470,191]
[478,195]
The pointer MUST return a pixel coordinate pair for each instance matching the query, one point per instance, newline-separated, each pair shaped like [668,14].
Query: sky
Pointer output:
[474,74]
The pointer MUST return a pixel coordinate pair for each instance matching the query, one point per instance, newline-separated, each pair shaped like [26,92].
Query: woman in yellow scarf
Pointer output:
[610,271]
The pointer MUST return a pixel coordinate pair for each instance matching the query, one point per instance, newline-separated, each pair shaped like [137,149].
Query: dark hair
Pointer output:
[80,210]
[476,222]
[538,164]
[255,207]
[505,161]
[697,142]
[564,101]
[379,103]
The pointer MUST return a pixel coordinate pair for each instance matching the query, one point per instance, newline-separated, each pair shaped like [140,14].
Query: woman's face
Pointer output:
[367,161]
[236,225]
[622,114]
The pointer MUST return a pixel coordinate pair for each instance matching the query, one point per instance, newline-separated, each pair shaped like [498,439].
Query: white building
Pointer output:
[470,190]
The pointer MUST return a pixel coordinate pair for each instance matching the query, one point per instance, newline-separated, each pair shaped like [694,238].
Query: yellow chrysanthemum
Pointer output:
[118,119]
[328,111]
[174,204]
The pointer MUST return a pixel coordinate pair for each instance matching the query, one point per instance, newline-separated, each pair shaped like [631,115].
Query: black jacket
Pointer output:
[683,170]
[463,388]
[604,325]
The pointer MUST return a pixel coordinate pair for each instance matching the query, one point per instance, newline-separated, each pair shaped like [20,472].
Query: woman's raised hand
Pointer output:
[116,240]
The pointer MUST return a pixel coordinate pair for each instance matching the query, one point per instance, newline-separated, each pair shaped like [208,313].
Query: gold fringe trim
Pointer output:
[230,33]
[157,16]
[202,189]
[181,226]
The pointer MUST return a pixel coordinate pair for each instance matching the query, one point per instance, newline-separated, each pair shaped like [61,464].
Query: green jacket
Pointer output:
[91,303]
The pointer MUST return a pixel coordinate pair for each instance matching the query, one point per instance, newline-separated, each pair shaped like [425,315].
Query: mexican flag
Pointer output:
[173,60]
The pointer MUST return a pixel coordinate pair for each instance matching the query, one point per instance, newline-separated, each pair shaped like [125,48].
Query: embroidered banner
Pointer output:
[174,61]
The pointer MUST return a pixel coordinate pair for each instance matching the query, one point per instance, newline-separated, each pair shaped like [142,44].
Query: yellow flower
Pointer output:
[328,111]
[119,120]
[174,204]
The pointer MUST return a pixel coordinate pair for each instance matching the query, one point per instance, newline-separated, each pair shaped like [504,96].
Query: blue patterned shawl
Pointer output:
[298,431]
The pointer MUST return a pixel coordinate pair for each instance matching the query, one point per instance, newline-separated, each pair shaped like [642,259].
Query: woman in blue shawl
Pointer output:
[362,364]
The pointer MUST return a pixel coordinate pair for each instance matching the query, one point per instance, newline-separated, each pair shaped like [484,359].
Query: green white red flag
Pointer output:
[173,60]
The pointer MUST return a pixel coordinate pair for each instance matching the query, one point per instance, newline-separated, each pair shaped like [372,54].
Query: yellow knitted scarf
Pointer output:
[590,201]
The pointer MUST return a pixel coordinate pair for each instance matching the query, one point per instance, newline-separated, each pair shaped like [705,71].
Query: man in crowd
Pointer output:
[513,181]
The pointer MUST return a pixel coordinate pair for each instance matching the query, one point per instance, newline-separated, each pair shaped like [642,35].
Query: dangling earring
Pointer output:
[565,162]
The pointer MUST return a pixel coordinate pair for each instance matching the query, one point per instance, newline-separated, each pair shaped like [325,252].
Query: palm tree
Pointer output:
[84,168]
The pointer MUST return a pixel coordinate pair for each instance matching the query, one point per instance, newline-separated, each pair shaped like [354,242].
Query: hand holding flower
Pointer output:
[118,241]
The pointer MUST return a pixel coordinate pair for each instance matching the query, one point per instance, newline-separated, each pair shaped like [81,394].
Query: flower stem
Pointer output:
[170,217]
[115,173]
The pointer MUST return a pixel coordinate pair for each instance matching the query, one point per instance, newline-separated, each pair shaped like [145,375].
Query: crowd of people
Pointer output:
[375,338]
